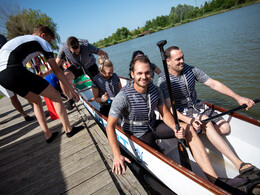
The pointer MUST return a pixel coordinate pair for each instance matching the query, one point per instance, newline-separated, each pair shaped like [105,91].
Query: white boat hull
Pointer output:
[167,168]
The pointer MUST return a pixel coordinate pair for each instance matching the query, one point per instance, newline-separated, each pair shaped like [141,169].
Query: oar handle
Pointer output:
[229,111]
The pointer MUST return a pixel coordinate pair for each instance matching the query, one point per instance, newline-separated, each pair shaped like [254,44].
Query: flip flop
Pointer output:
[242,171]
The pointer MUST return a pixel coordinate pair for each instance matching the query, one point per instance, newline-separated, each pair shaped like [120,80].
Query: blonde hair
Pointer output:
[104,62]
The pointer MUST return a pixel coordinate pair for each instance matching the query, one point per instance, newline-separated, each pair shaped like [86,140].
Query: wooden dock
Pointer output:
[77,165]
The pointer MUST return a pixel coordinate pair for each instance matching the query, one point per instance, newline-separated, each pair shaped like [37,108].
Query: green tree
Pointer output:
[121,33]
[23,22]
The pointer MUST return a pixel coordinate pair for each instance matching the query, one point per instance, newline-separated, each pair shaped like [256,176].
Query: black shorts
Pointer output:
[93,70]
[21,81]
[162,131]
[104,109]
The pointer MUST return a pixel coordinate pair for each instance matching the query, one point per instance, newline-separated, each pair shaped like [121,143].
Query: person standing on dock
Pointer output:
[80,55]
[191,111]
[13,97]
[14,76]
[136,103]
[106,86]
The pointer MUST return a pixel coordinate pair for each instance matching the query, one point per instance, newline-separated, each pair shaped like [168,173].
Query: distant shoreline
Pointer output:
[180,23]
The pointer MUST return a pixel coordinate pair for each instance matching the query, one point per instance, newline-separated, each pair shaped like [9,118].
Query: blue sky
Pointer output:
[95,20]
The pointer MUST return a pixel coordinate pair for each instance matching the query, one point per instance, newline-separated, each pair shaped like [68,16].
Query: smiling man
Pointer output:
[136,103]
[191,110]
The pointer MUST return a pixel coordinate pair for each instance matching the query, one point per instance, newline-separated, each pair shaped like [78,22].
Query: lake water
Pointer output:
[225,46]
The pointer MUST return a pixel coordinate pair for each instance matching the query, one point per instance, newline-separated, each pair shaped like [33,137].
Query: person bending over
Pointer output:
[15,77]
[79,53]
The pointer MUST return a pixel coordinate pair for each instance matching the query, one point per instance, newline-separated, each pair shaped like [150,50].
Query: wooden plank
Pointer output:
[92,185]
[46,155]
[108,189]
[46,176]
[129,181]
[76,180]
[68,165]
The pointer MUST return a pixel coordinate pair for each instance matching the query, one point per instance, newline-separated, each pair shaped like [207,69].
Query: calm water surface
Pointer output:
[226,46]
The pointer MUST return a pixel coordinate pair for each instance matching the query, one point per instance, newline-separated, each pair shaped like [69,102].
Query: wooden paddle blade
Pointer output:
[184,157]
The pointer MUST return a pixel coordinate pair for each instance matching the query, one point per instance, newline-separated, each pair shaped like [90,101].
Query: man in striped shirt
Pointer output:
[192,111]
[79,53]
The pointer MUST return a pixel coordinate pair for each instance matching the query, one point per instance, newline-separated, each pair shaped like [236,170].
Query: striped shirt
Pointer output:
[111,86]
[18,51]
[121,105]
[183,97]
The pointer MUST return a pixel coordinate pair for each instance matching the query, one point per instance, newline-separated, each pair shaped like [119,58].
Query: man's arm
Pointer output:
[60,75]
[186,119]
[102,52]
[221,88]
[157,70]
[169,121]
[119,160]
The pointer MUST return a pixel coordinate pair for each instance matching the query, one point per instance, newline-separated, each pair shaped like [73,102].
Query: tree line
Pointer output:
[16,22]
[178,15]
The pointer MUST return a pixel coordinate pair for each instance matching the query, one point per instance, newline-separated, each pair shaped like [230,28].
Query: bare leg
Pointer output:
[221,145]
[54,95]
[222,127]
[17,104]
[39,113]
[199,152]
[70,76]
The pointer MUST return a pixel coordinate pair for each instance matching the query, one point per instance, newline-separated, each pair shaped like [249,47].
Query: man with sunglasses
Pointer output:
[79,53]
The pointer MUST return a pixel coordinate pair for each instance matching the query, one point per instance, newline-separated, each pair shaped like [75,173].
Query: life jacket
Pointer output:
[142,112]
[71,58]
[184,92]
[112,88]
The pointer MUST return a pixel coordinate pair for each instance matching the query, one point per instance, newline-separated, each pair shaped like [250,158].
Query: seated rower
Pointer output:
[106,86]
[136,103]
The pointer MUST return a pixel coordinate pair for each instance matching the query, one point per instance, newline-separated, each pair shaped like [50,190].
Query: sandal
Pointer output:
[242,171]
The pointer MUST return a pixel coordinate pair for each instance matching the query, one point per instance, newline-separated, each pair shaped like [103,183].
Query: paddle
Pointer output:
[184,158]
[228,111]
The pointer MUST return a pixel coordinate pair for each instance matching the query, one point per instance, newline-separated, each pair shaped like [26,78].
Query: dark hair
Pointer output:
[3,40]
[137,52]
[73,42]
[168,51]
[43,29]
[142,58]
